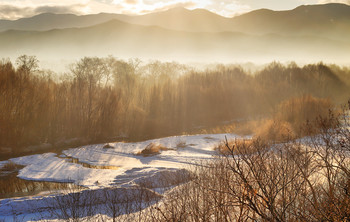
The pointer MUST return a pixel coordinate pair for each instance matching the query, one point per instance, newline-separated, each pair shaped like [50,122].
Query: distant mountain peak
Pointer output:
[178,8]
[202,10]
[330,6]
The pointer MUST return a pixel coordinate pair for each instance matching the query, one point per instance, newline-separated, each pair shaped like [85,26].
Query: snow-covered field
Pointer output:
[117,167]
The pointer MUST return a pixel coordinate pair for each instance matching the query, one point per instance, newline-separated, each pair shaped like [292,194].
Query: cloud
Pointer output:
[131,2]
[12,12]
[226,8]
[147,6]
[164,7]
[13,9]
[74,9]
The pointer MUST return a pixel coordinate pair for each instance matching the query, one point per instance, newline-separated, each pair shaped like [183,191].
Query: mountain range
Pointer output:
[319,32]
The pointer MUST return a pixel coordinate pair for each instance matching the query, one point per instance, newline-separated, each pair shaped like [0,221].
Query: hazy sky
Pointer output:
[13,9]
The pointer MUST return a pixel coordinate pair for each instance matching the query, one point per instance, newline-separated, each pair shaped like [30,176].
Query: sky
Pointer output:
[14,9]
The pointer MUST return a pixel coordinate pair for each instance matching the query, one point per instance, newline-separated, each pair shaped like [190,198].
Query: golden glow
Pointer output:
[224,8]
[12,9]
[27,8]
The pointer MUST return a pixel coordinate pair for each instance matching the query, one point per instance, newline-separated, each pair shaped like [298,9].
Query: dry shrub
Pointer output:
[10,166]
[244,127]
[277,131]
[236,146]
[228,128]
[293,117]
[298,111]
[181,144]
[294,181]
[152,149]
[108,146]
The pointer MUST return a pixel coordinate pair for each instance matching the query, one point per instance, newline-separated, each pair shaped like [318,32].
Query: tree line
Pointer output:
[104,99]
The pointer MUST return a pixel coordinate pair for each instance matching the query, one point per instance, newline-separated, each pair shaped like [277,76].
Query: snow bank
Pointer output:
[127,170]
[126,165]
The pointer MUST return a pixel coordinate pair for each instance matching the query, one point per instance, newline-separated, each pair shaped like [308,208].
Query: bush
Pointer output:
[276,131]
[152,149]
[296,117]
[231,146]
[293,181]
[10,166]
[298,110]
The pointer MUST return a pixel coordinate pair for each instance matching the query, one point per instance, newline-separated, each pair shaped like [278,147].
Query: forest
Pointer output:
[106,99]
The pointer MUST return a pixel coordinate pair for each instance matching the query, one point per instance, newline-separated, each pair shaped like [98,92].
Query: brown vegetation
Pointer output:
[101,99]
[230,147]
[290,182]
[10,166]
[275,130]
[295,181]
[294,118]
[108,146]
[152,149]
[181,144]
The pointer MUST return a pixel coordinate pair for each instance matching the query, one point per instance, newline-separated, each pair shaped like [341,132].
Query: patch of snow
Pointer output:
[184,150]
[130,170]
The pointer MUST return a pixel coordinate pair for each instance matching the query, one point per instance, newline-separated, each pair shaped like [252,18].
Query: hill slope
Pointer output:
[328,20]
[307,33]
[151,42]
[49,21]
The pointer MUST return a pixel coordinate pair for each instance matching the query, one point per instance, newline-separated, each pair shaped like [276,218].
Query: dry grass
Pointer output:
[108,146]
[243,128]
[181,144]
[236,146]
[297,110]
[289,121]
[217,129]
[275,131]
[302,110]
[152,149]
[10,166]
